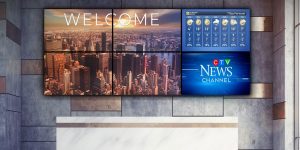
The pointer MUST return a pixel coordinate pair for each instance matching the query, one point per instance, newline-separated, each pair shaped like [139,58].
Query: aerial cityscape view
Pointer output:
[147,57]
[146,74]
[139,55]
[77,59]
[78,74]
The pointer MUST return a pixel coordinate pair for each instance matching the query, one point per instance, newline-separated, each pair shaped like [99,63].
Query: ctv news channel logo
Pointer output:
[219,71]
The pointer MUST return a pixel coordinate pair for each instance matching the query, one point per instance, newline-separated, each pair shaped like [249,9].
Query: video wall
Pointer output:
[151,52]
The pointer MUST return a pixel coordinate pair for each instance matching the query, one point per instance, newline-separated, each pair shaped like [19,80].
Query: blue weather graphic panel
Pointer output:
[216,30]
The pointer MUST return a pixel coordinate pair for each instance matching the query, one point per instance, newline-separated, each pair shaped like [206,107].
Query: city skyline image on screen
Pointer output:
[147,46]
[77,52]
[112,52]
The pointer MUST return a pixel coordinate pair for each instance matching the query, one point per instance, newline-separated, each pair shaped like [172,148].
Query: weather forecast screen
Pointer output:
[216,30]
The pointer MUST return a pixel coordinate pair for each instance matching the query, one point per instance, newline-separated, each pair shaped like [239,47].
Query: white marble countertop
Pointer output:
[146,119]
[147,133]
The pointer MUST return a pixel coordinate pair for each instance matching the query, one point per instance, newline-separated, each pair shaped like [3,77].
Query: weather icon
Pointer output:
[233,22]
[242,22]
[224,22]
[189,22]
[198,22]
[207,22]
[216,21]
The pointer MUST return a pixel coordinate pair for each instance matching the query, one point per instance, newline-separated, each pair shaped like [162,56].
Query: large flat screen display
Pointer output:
[150,52]
[215,73]
[216,52]
[216,30]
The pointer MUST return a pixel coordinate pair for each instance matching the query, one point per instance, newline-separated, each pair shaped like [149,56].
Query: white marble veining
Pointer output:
[217,137]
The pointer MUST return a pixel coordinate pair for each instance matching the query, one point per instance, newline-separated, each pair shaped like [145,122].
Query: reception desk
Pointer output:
[147,133]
